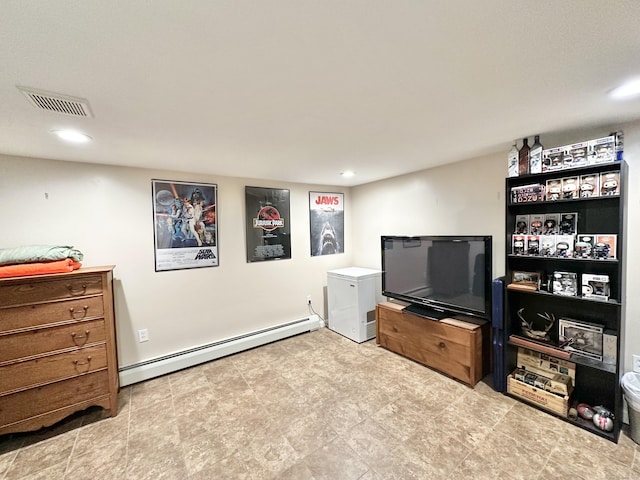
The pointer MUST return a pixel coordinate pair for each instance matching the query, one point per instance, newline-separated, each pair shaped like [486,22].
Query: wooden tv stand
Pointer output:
[453,346]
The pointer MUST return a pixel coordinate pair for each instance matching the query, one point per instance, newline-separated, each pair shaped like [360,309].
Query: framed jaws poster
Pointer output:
[268,224]
[326,220]
[185,225]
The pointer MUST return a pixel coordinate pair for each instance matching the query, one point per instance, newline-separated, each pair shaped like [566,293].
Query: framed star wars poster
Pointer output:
[268,224]
[185,225]
[326,220]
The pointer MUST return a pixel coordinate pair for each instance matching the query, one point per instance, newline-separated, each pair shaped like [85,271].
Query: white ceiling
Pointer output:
[301,90]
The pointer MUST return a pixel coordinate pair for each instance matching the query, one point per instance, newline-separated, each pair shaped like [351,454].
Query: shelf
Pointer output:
[610,261]
[566,172]
[570,298]
[565,201]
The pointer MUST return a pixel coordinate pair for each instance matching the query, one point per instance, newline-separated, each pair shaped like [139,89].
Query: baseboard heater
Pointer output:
[205,353]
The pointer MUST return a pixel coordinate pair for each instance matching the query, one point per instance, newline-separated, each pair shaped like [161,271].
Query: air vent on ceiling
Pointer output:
[55,102]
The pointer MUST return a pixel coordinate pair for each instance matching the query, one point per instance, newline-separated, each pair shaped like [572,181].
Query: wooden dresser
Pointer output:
[452,346]
[57,347]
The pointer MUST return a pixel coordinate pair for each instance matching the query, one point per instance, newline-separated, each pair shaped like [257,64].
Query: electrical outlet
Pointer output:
[308,299]
[636,363]
[143,335]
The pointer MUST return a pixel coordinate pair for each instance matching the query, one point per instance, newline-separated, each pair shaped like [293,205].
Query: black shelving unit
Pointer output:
[596,382]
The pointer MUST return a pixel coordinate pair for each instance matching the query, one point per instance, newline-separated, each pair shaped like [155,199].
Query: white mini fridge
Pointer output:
[353,294]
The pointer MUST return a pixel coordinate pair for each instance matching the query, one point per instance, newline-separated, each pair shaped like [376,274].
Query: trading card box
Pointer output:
[551,224]
[609,183]
[565,283]
[570,188]
[536,224]
[589,186]
[605,247]
[528,193]
[554,189]
[595,287]
[568,224]
[518,244]
[533,245]
[522,224]
[548,245]
[584,245]
[565,246]
[552,159]
[543,364]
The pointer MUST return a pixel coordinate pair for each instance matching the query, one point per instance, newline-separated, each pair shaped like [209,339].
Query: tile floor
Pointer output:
[315,406]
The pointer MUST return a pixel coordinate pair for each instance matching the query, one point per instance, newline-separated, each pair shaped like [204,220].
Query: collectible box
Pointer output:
[545,364]
[533,245]
[525,280]
[568,224]
[589,186]
[518,244]
[548,245]
[604,247]
[565,283]
[609,348]
[581,338]
[554,189]
[595,287]
[530,373]
[522,224]
[584,246]
[570,188]
[536,224]
[564,246]
[602,150]
[609,183]
[552,159]
[551,224]
[528,193]
[578,153]
[543,399]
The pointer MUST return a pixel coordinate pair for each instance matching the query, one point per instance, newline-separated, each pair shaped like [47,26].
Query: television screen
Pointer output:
[444,273]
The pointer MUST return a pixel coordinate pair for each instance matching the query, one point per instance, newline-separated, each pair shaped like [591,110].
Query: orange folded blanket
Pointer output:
[25,269]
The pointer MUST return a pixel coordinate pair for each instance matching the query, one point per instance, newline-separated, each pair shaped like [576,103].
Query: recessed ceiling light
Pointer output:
[72,136]
[626,90]
[348,174]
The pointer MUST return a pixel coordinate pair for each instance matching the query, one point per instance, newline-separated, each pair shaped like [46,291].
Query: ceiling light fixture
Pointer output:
[626,90]
[348,174]
[72,136]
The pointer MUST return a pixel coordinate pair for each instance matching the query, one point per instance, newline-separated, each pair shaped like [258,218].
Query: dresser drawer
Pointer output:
[37,401]
[43,340]
[52,368]
[46,291]
[17,318]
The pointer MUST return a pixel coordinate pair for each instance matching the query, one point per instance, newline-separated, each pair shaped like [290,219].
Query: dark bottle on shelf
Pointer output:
[535,156]
[523,157]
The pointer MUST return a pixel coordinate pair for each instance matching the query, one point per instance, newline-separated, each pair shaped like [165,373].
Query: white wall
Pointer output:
[106,212]
[468,198]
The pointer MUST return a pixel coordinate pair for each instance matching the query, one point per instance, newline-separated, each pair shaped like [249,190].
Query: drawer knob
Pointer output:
[77,364]
[74,290]
[442,345]
[79,313]
[78,338]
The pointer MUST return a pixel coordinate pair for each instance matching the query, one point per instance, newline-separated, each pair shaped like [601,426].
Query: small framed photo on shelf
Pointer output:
[581,338]
[525,280]
[565,283]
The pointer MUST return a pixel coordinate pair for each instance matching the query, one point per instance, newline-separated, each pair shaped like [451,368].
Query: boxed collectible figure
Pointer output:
[602,150]
[604,247]
[552,159]
[568,223]
[548,245]
[536,224]
[564,246]
[581,338]
[518,244]
[570,188]
[584,246]
[609,183]
[528,193]
[554,189]
[565,283]
[578,153]
[522,224]
[551,224]
[533,245]
[595,287]
[589,186]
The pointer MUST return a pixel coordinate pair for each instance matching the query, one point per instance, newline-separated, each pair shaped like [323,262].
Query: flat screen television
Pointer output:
[439,275]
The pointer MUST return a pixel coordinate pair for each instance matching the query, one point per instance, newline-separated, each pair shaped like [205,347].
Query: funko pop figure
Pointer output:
[533,247]
[610,187]
[521,227]
[601,250]
[569,191]
[536,227]
[583,250]
[554,192]
[566,227]
[562,249]
[549,226]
